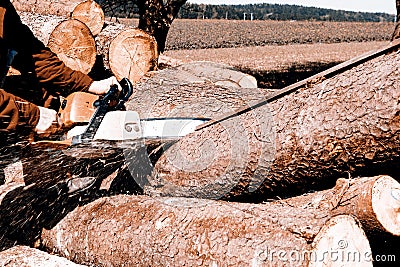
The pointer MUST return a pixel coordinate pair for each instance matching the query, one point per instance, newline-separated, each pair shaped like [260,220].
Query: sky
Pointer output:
[387,6]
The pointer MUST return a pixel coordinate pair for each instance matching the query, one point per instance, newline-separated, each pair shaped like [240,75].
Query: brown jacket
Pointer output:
[32,58]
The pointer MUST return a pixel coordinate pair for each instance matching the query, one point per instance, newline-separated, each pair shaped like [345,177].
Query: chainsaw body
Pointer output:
[77,109]
[94,120]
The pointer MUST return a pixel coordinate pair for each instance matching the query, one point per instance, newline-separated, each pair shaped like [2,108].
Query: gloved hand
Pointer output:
[48,122]
[101,87]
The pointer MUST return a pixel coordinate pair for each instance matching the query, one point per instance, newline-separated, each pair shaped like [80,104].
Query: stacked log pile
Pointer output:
[140,230]
[79,35]
[347,125]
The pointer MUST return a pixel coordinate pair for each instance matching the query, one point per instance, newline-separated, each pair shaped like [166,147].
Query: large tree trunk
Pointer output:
[156,17]
[70,39]
[303,141]
[396,33]
[29,257]
[139,230]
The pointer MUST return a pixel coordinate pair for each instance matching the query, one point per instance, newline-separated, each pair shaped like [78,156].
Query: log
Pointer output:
[300,142]
[219,74]
[143,231]
[90,13]
[70,39]
[46,7]
[74,44]
[29,257]
[374,201]
[127,52]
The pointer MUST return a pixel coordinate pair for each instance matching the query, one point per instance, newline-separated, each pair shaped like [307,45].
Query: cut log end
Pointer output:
[74,44]
[90,13]
[386,204]
[341,242]
[132,54]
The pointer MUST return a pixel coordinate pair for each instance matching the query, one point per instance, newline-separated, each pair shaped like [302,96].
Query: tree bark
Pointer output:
[70,39]
[347,123]
[396,33]
[139,230]
[29,257]
[156,17]
[47,7]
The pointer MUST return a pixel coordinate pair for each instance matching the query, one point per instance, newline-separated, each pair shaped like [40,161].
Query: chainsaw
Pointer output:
[100,121]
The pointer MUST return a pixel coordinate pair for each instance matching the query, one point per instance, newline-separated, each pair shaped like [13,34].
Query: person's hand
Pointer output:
[48,122]
[101,87]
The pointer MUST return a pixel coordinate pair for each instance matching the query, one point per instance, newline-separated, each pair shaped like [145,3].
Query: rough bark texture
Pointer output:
[70,39]
[47,7]
[174,93]
[183,92]
[126,51]
[139,230]
[347,123]
[156,17]
[396,33]
[22,256]
[90,13]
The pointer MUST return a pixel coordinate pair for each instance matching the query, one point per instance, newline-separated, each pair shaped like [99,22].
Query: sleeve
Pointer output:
[51,72]
[15,111]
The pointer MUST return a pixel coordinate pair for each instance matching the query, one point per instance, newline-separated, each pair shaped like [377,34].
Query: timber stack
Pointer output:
[308,179]
[77,32]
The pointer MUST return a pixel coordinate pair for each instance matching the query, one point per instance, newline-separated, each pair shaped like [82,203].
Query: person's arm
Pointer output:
[15,111]
[51,72]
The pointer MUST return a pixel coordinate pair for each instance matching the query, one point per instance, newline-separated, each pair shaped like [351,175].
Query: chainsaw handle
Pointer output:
[126,92]
[127,89]
[121,96]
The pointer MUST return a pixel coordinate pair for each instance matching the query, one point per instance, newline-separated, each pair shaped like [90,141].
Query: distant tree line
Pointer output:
[277,12]
[129,9]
